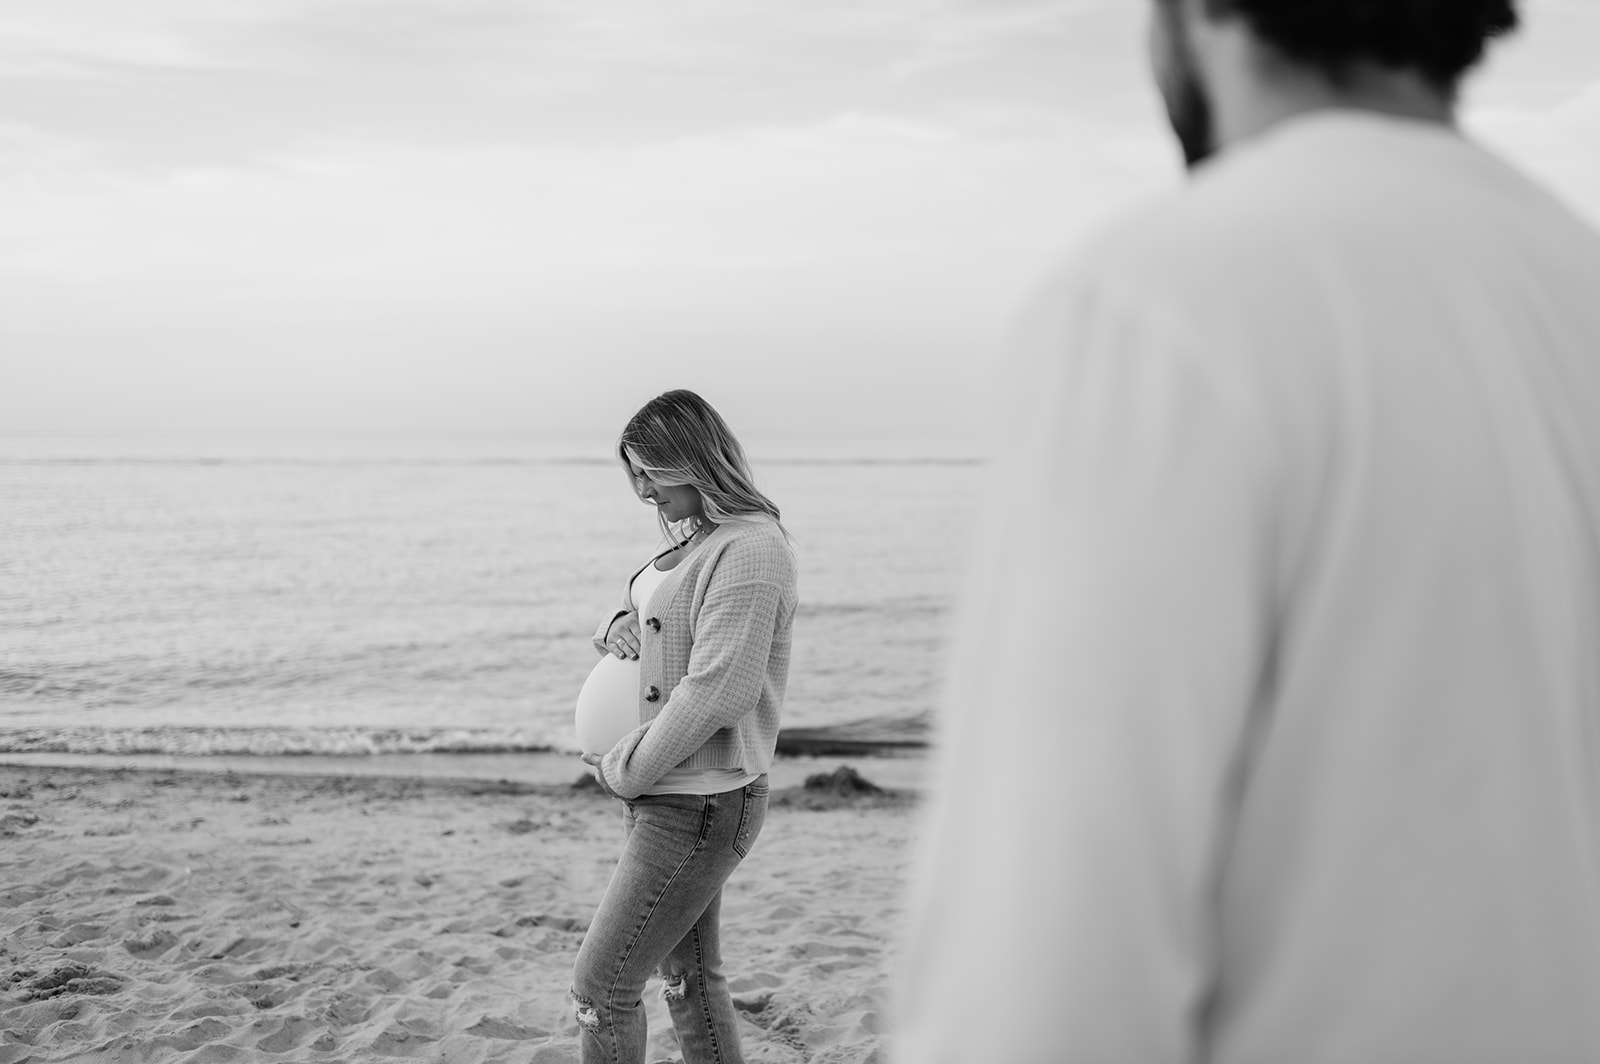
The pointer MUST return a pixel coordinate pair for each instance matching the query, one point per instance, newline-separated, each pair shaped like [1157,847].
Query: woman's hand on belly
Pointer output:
[623,638]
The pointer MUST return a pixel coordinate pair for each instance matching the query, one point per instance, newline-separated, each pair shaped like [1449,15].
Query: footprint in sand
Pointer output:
[150,945]
[508,1030]
[294,1032]
[399,1042]
[71,979]
[198,1034]
[78,934]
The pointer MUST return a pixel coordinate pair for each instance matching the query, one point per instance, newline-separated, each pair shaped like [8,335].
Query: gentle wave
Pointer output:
[869,735]
[277,742]
[455,463]
[311,463]
[907,605]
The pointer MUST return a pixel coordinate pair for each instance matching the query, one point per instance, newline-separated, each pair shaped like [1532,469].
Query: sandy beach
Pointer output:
[153,914]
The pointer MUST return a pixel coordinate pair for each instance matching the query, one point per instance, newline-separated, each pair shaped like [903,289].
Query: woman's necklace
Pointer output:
[705,527]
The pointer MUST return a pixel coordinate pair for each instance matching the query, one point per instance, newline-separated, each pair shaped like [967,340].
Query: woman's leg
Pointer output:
[696,993]
[619,1033]
[680,850]
[695,990]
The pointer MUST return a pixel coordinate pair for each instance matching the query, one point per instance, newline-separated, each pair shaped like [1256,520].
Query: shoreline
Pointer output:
[901,771]
[869,738]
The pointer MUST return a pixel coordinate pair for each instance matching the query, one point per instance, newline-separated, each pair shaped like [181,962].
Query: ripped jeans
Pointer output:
[661,911]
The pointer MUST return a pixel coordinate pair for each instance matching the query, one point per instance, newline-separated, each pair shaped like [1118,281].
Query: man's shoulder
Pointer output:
[1218,219]
[1327,194]
[1294,179]
[1235,243]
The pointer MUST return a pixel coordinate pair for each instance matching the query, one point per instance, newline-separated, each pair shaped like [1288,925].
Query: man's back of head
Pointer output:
[1230,68]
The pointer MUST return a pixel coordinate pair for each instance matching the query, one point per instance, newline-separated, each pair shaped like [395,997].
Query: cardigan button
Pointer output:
[652,694]
[654,624]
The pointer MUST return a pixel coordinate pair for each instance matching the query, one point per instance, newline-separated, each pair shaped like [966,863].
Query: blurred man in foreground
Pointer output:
[1272,732]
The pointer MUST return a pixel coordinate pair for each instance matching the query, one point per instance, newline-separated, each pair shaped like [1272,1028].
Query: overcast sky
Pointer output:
[529,216]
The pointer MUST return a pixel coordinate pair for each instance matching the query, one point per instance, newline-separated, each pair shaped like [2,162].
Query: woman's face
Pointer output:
[677,502]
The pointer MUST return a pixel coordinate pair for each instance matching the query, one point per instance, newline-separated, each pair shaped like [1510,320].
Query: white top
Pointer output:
[1273,727]
[644,585]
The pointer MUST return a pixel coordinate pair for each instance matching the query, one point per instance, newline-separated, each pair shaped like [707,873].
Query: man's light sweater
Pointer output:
[718,662]
[1281,629]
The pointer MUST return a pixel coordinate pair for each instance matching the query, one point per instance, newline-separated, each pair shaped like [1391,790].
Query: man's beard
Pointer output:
[1189,112]
[1188,106]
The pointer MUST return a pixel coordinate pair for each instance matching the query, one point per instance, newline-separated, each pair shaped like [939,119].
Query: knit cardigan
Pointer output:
[714,655]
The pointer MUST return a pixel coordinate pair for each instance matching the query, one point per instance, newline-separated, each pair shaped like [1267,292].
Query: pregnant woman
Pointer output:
[705,627]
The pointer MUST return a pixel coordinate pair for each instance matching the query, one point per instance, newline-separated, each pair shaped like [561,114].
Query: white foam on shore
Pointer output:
[537,768]
[193,742]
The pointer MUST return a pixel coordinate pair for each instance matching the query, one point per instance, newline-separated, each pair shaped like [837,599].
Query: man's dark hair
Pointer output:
[1439,39]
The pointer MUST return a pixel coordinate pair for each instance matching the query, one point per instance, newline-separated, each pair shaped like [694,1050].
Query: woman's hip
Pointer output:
[661,826]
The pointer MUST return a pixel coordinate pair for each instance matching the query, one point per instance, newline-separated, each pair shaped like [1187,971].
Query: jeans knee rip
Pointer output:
[675,986]
[585,1010]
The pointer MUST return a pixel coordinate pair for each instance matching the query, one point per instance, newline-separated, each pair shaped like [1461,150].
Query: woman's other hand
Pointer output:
[593,761]
[623,638]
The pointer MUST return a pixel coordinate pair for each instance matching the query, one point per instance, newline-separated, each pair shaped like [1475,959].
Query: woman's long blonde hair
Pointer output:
[678,438]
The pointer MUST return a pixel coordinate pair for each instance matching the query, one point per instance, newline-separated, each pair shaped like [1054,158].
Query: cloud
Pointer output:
[855,187]
[327,205]
[195,81]
[857,245]
[82,39]
[963,32]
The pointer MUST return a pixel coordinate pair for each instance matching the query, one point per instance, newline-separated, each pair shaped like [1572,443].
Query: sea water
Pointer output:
[346,597]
